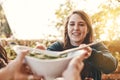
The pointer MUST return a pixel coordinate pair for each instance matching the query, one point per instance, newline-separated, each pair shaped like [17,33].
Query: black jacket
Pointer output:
[100,61]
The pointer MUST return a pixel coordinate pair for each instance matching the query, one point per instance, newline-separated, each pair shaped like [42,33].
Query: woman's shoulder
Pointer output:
[56,46]
[59,43]
[99,45]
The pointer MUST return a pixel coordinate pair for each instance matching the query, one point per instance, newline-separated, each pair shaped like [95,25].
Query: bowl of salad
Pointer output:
[48,66]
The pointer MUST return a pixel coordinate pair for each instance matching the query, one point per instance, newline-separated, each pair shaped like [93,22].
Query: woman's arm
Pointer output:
[102,59]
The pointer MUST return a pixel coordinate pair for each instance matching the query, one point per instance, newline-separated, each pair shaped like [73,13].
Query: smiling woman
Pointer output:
[29,19]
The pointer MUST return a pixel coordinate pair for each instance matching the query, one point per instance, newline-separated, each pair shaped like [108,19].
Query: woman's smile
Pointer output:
[76,34]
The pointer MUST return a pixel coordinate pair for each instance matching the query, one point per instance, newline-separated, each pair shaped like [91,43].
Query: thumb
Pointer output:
[22,55]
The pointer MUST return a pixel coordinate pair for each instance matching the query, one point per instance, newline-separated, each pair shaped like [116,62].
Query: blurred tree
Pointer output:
[63,12]
[5,30]
[105,22]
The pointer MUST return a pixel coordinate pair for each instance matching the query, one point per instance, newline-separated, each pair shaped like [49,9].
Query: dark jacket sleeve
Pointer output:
[102,59]
[56,46]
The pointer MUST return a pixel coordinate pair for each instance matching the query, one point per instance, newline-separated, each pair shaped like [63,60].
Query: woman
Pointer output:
[79,32]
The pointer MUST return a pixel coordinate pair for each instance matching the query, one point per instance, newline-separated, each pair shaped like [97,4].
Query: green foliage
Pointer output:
[105,20]
[10,52]
[63,12]
[8,44]
[5,30]
[113,46]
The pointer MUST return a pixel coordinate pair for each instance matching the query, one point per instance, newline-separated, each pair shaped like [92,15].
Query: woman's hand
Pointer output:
[75,66]
[87,51]
[40,46]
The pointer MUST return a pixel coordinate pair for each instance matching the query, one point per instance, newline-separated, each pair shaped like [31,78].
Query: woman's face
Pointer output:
[77,29]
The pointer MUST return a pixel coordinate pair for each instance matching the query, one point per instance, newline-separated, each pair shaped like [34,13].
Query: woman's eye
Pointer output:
[71,24]
[81,24]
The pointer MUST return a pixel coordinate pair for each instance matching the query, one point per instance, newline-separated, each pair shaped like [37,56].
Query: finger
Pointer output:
[19,60]
[89,78]
[40,47]
[88,49]
[81,45]
[76,62]
[22,55]
[26,69]
[87,52]
[22,76]
[34,77]
[59,78]
[73,70]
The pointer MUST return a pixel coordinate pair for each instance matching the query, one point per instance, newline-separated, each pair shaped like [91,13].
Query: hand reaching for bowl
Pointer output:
[14,70]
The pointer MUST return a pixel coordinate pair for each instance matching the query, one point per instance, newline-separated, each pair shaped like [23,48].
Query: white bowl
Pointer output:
[50,69]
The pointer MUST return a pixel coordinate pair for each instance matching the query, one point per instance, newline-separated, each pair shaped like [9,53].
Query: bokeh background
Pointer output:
[26,22]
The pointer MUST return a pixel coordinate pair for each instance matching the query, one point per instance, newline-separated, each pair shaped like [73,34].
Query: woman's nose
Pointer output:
[76,27]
